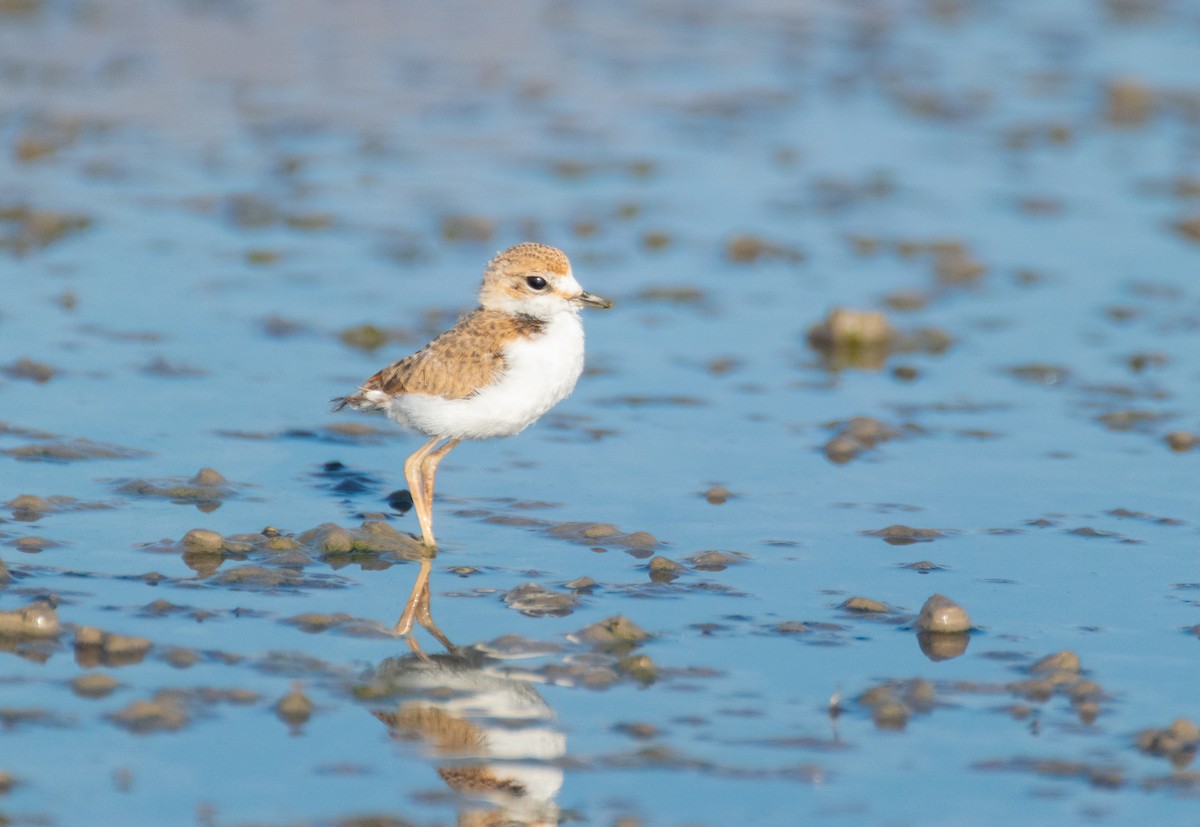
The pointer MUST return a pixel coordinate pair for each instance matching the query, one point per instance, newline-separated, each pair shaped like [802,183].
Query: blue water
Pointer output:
[588,126]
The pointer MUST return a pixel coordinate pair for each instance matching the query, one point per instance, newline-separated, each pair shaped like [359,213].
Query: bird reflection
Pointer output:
[490,735]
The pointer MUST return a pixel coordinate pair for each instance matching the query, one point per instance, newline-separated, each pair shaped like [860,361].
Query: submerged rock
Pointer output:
[864,605]
[664,570]
[165,712]
[1177,742]
[1064,661]
[614,631]
[902,535]
[95,646]
[208,486]
[533,600]
[856,435]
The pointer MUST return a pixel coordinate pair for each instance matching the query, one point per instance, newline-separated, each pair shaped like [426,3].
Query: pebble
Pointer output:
[202,541]
[718,495]
[38,619]
[942,615]
[1181,441]
[639,667]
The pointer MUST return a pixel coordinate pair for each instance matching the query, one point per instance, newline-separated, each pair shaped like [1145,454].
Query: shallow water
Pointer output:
[202,199]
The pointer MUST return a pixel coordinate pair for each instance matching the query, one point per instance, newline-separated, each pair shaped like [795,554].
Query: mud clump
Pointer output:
[164,712]
[1065,661]
[373,536]
[1189,228]
[902,535]
[664,570]
[864,605]
[29,508]
[894,702]
[208,486]
[533,600]
[295,708]
[75,450]
[95,647]
[369,337]
[25,368]
[1182,441]
[614,632]
[1038,373]
[475,229]
[24,229]
[1129,102]
[856,435]
[639,544]
[713,560]
[750,249]
[94,685]
[1177,742]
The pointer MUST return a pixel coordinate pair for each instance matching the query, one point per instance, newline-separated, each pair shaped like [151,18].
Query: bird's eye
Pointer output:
[536,283]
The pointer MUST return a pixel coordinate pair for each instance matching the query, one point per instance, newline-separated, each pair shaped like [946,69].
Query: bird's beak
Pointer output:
[593,301]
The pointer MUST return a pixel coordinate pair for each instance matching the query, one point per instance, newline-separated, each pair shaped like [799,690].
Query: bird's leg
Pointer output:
[430,469]
[416,487]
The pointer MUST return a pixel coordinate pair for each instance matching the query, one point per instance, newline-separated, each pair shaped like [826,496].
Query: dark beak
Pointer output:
[593,301]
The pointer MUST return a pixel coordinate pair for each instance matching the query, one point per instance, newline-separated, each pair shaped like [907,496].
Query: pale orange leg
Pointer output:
[429,466]
[416,487]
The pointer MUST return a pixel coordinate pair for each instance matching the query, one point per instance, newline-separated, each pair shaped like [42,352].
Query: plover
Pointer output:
[494,373]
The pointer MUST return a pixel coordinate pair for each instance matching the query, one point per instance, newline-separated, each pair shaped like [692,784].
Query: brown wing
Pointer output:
[454,365]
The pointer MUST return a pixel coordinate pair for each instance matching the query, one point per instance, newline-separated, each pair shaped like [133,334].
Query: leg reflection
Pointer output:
[417,609]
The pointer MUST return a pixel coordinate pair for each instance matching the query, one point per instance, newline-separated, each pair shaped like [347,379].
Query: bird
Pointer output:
[494,373]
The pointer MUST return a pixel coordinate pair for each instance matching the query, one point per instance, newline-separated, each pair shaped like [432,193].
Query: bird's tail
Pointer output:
[364,401]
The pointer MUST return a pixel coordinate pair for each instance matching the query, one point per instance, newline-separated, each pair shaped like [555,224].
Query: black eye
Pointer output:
[536,282]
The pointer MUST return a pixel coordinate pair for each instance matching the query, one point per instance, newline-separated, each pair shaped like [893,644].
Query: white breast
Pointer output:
[539,373]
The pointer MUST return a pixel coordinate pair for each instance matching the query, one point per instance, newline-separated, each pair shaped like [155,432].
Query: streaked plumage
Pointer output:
[499,369]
